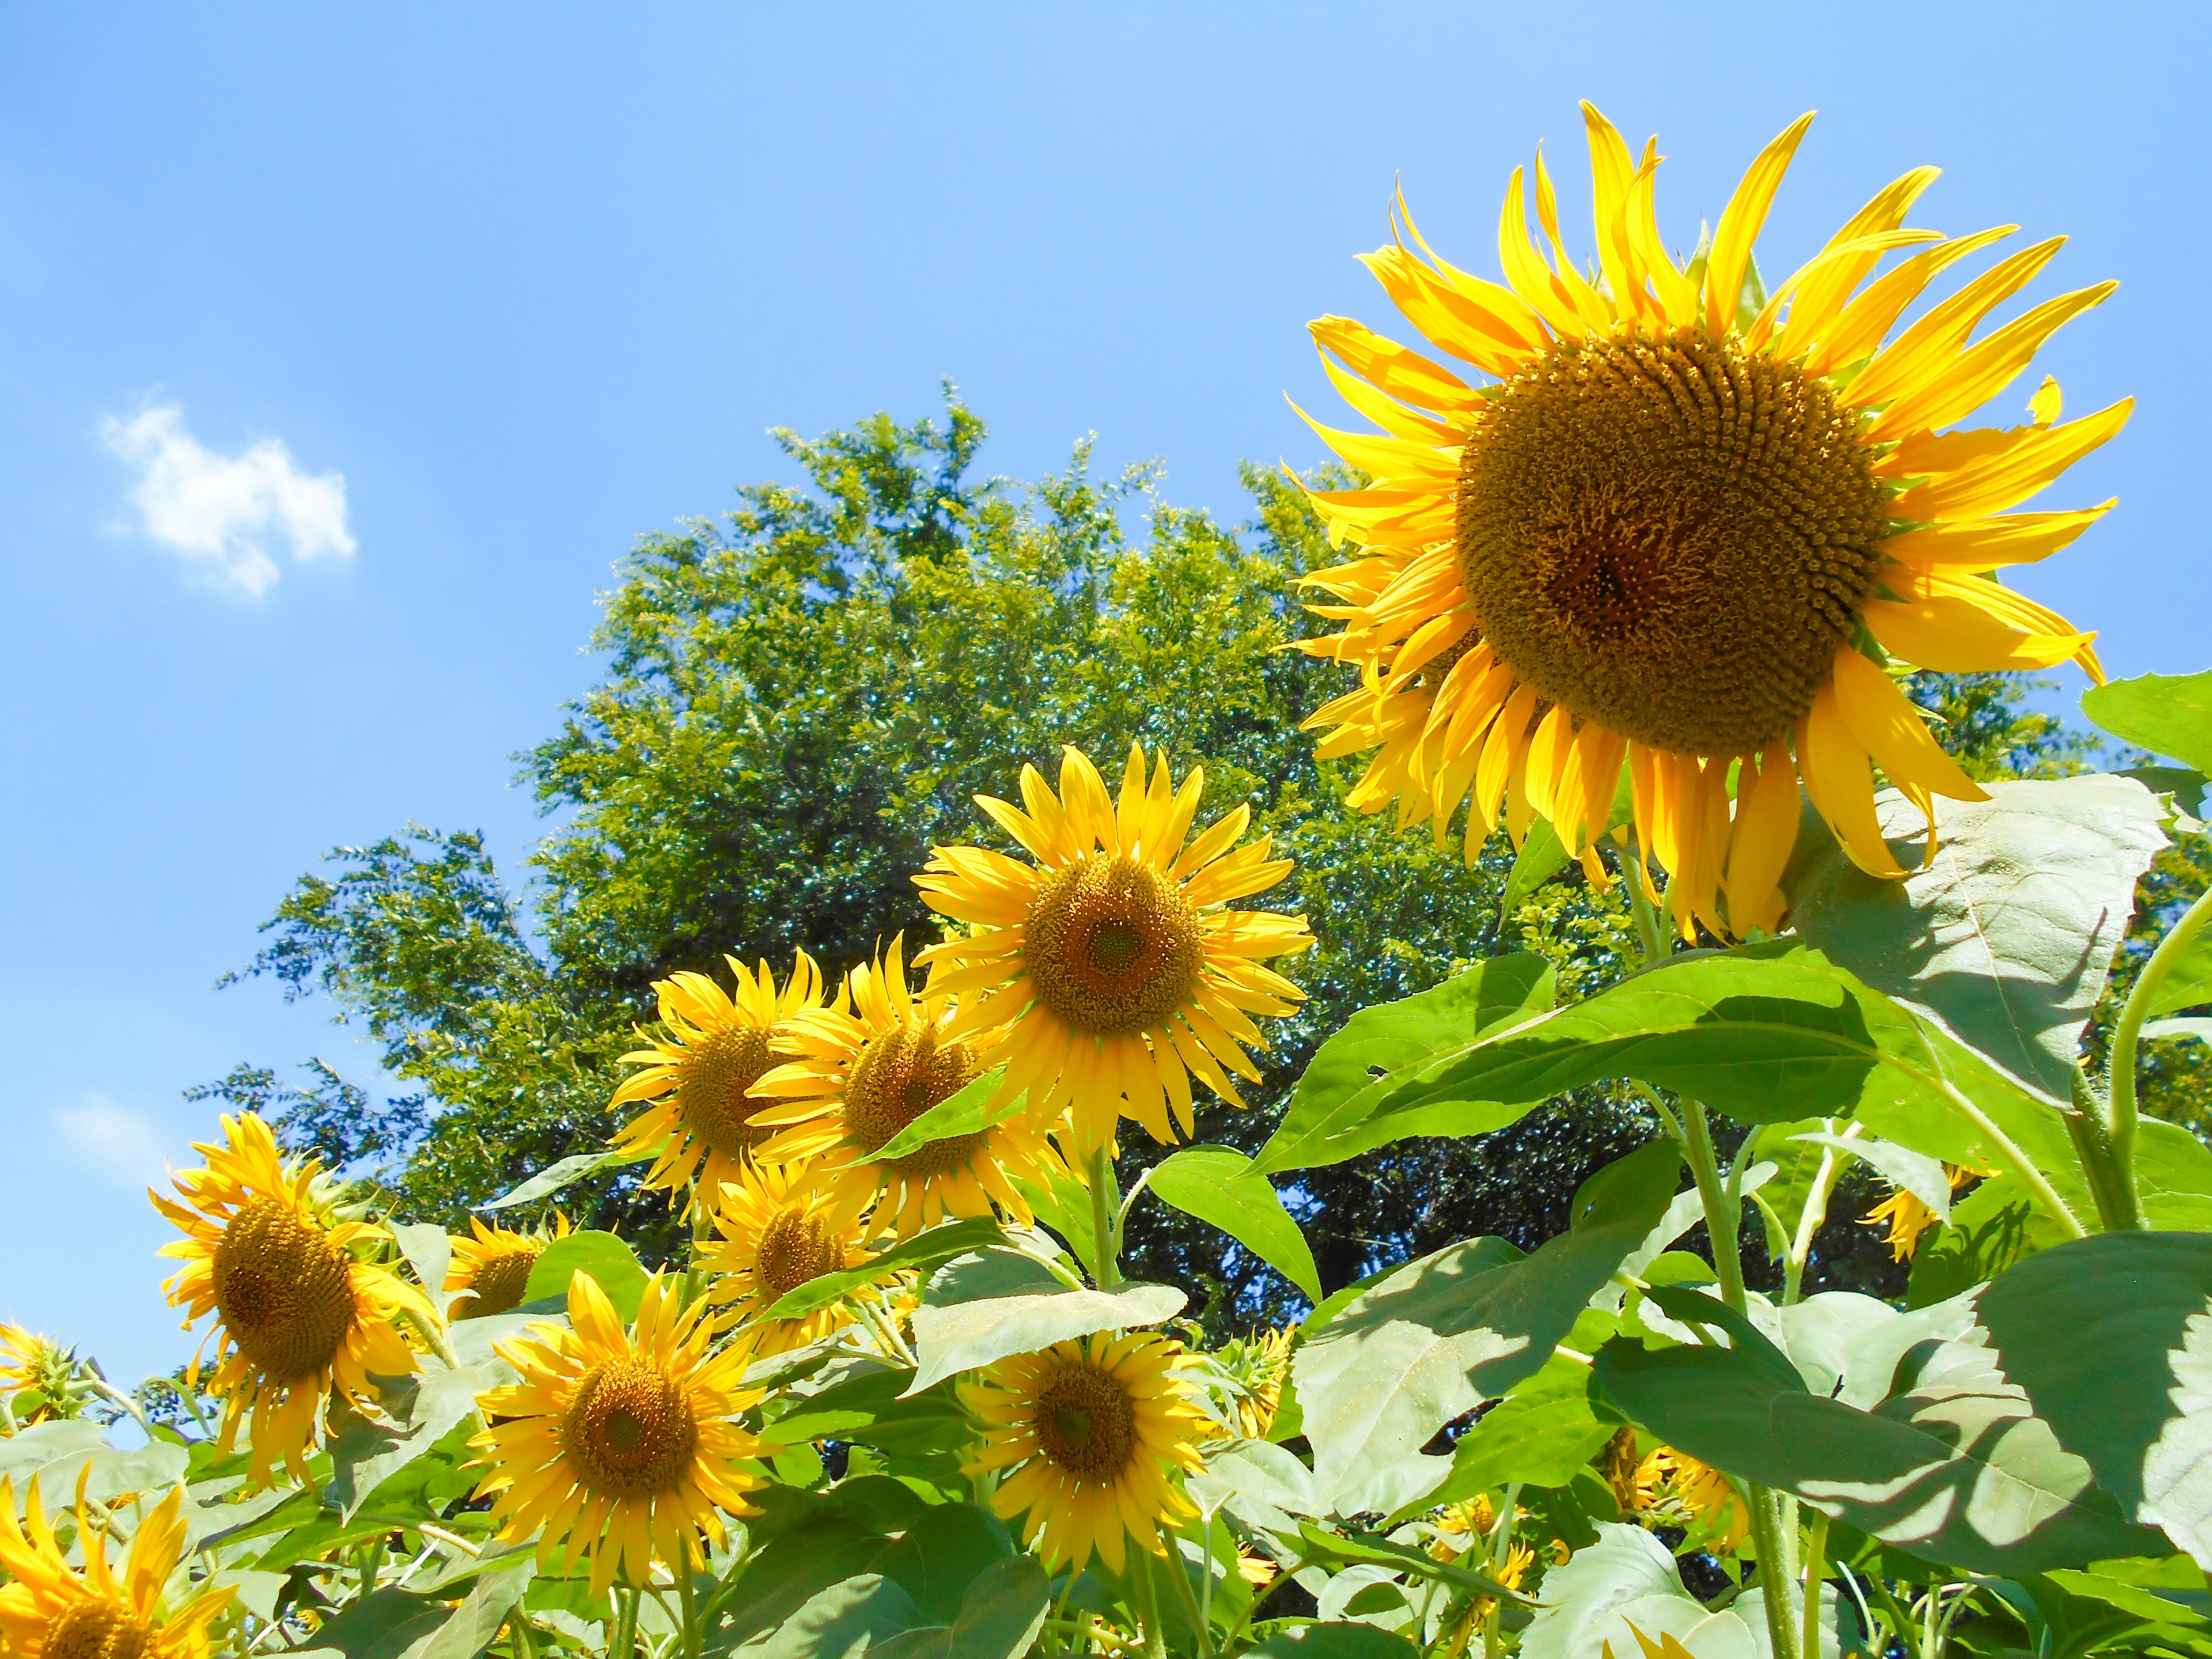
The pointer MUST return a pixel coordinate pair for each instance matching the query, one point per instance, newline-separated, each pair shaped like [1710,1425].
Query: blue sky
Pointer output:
[342,355]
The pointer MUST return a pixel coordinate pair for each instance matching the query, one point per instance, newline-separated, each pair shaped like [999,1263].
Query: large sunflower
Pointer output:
[1110,959]
[617,1445]
[700,1072]
[777,1229]
[298,1315]
[866,1067]
[491,1267]
[1087,1434]
[1683,527]
[53,1611]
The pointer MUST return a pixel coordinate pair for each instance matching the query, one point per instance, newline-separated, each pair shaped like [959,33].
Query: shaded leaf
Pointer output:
[1543,1432]
[966,1111]
[924,1250]
[993,1271]
[1626,1564]
[939,1557]
[973,1333]
[1217,1184]
[1346,1640]
[1003,1610]
[548,1181]
[425,1407]
[843,1621]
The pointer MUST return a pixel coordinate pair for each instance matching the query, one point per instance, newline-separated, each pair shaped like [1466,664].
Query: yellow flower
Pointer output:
[1908,1218]
[618,1446]
[1087,1435]
[38,1377]
[699,1075]
[297,1316]
[868,1066]
[491,1267]
[52,1611]
[1673,1482]
[778,1229]
[1110,958]
[1262,1365]
[1682,530]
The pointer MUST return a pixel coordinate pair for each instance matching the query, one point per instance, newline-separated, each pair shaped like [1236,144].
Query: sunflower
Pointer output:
[1907,1217]
[1684,528]
[52,1611]
[1674,1487]
[700,1073]
[40,1380]
[1261,1365]
[1110,958]
[777,1230]
[298,1316]
[868,1066]
[1086,1434]
[617,1445]
[491,1267]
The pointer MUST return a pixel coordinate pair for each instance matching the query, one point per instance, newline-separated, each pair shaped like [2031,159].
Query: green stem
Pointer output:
[2110,1177]
[519,1635]
[2122,1071]
[1106,1266]
[1720,1222]
[1810,1220]
[2015,1161]
[1206,1581]
[1148,1603]
[1900,1622]
[624,1640]
[687,1593]
[1773,1573]
[1179,1575]
[1816,1569]
[1650,931]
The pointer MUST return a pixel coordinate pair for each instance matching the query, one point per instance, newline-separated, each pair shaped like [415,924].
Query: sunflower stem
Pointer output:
[2136,1010]
[1106,1241]
[2110,1180]
[1721,1221]
[687,1596]
[1781,1628]
[1148,1603]
[624,1640]
[1815,1570]
[1179,1575]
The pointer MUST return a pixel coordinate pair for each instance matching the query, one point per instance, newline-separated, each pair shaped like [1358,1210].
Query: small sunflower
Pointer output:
[868,1066]
[1261,1365]
[1671,1484]
[491,1267]
[53,1611]
[40,1379]
[1683,529]
[298,1316]
[700,1074]
[1087,1434]
[1907,1217]
[778,1228]
[1109,959]
[618,1446]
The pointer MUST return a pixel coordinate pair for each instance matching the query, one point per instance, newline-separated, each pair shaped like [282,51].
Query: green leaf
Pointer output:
[973,1333]
[476,1622]
[1344,1640]
[2176,1030]
[964,1112]
[612,1264]
[1543,855]
[424,1408]
[1320,1545]
[1544,1430]
[548,1181]
[1958,1469]
[1003,1610]
[2007,937]
[1903,1168]
[1357,1076]
[938,1558]
[1216,1185]
[2111,1338]
[2186,787]
[874,1409]
[993,1271]
[1441,1335]
[430,1251]
[1625,1566]
[383,1625]
[2169,715]
[2188,981]
[924,1250]
[843,1621]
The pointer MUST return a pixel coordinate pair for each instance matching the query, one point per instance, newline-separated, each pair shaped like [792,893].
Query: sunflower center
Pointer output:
[1669,534]
[1084,1421]
[285,1295]
[794,1248]
[900,1075]
[97,1629]
[499,1284]
[630,1431]
[1112,946]
[714,1081]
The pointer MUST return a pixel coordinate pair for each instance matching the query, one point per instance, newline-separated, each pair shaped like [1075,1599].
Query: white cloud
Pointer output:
[223,513]
[110,1141]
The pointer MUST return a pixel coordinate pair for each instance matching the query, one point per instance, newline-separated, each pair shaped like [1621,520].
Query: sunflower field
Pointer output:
[1640,582]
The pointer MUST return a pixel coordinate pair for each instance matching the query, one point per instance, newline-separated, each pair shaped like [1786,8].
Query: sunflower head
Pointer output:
[54,1611]
[776,1229]
[858,1071]
[1907,1217]
[302,1307]
[1086,1436]
[1111,960]
[40,1380]
[1259,1364]
[700,1069]
[619,1446]
[1673,1488]
[491,1267]
[1681,529]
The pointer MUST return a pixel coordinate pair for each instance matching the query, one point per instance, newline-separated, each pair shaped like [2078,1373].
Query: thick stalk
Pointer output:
[624,1640]
[1816,1568]
[1106,1267]
[1809,1221]
[2122,1071]
[1721,1221]
[1178,1575]
[688,1595]
[2110,1176]
[1773,1573]
[1148,1603]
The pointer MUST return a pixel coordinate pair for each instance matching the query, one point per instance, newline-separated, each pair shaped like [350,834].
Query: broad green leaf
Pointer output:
[1344,1640]
[422,1409]
[2151,1614]
[1064,1206]
[1002,1611]
[2111,1338]
[1903,1168]
[873,1409]
[1540,1434]
[1216,1185]
[1626,1564]
[1441,1335]
[612,1263]
[1260,1471]
[964,1112]
[2007,936]
[55,1456]
[483,1611]
[1321,1545]
[430,1251]
[548,1181]
[846,1619]
[2188,981]
[972,1333]
[2169,715]
[2176,1030]
[995,1270]
[383,1625]
[941,1555]
[1358,1074]
[1957,1470]
[924,1250]
[2184,785]
[827,1550]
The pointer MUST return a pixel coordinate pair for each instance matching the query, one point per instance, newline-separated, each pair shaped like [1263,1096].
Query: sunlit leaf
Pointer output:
[612,1263]
[546,1182]
[2169,715]
[973,1333]
[925,1249]
[1216,1185]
